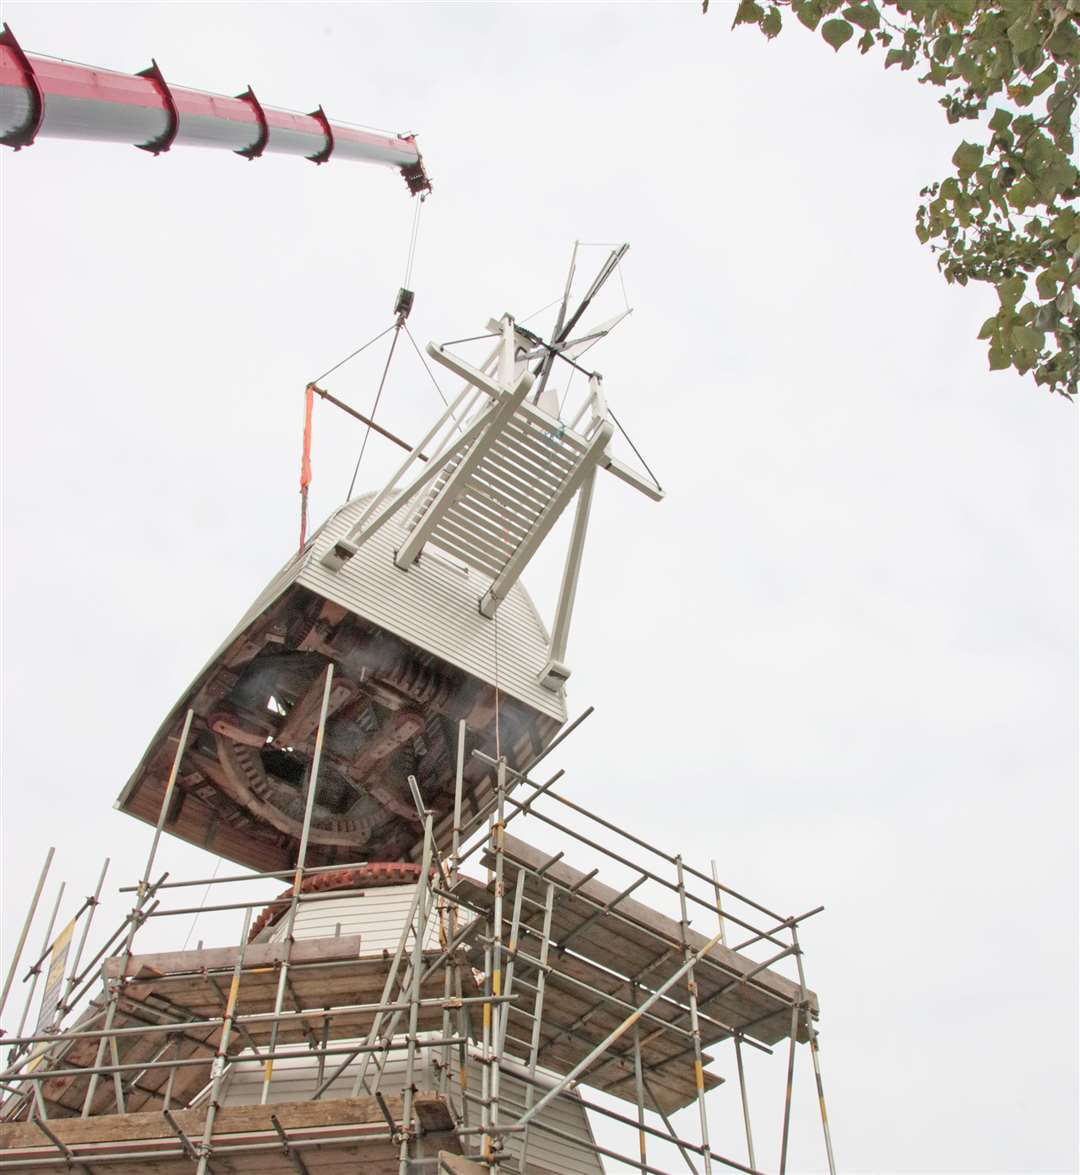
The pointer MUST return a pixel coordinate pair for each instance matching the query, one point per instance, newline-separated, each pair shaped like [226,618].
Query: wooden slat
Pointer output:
[468,554]
[552,476]
[532,418]
[532,491]
[528,505]
[459,1165]
[189,992]
[497,549]
[326,1122]
[468,515]
[542,484]
[499,506]
[344,949]
[538,448]
[626,949]
[479,515]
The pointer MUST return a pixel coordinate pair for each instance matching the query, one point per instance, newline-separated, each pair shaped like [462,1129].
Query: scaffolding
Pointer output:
[535,974]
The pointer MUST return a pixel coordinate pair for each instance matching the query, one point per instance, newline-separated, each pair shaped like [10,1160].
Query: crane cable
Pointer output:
[309,399]
[374,408]
[309,390]
[411,257]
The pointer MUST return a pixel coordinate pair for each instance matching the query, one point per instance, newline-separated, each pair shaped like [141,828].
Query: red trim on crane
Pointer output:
[26,136]
[61,79]
[322,156]
[165,140]
[259,146]
[43,80]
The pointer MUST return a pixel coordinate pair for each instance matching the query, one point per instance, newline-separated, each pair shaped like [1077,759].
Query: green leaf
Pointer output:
[866,42]
[1063,44]
[1062,226]
[989,327]
[1028,338]
[999,357]
[1021,194]
[1011,291]
[967,157]
[866,16]
[1043,81]
[1046,284]
[836,32]
[1024,35]
[1063,174]
[808,12]
[770,26]
[1000,120]
[749,12]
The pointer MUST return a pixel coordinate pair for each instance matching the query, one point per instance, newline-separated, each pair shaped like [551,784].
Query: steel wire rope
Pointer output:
[431,374]
[611,413]
[566,394]
[198,912]
[374,408]
[412,242]
[398,324]
[622,282]
[541,310]
[470,339]
[342,363]
[637,452]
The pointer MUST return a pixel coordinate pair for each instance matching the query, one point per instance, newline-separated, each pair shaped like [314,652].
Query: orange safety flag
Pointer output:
[305,462]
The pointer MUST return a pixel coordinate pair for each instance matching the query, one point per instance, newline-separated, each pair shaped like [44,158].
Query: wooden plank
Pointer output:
[191,994]
[433,1112]
[345,947]
[459,1165]
[610,940]
[230,1120]
[618,956]
[326,1123]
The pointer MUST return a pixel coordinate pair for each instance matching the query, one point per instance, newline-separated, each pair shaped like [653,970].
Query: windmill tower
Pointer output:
[430,991]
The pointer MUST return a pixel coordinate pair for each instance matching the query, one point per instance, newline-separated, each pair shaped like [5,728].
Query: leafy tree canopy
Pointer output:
[1009,212]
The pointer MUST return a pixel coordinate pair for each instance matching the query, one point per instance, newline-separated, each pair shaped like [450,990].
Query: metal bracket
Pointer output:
[286,1147]
[26,136]
[381,1102]
[415,174]
[259,146]
[322,156]
[178,1130]
[165,140]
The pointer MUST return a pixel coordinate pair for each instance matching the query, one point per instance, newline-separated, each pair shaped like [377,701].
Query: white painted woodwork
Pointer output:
[376,914]
[296,1079]
[433,605]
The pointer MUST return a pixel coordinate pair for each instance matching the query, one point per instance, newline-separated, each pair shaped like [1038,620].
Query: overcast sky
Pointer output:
[840,657]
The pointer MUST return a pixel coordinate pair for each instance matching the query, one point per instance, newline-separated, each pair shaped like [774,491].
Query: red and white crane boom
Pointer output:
[40,96]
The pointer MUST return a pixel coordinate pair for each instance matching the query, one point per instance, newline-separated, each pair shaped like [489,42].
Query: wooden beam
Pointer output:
[258,954]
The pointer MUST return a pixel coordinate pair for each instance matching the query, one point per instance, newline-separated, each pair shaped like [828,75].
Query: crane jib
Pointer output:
[44,97]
